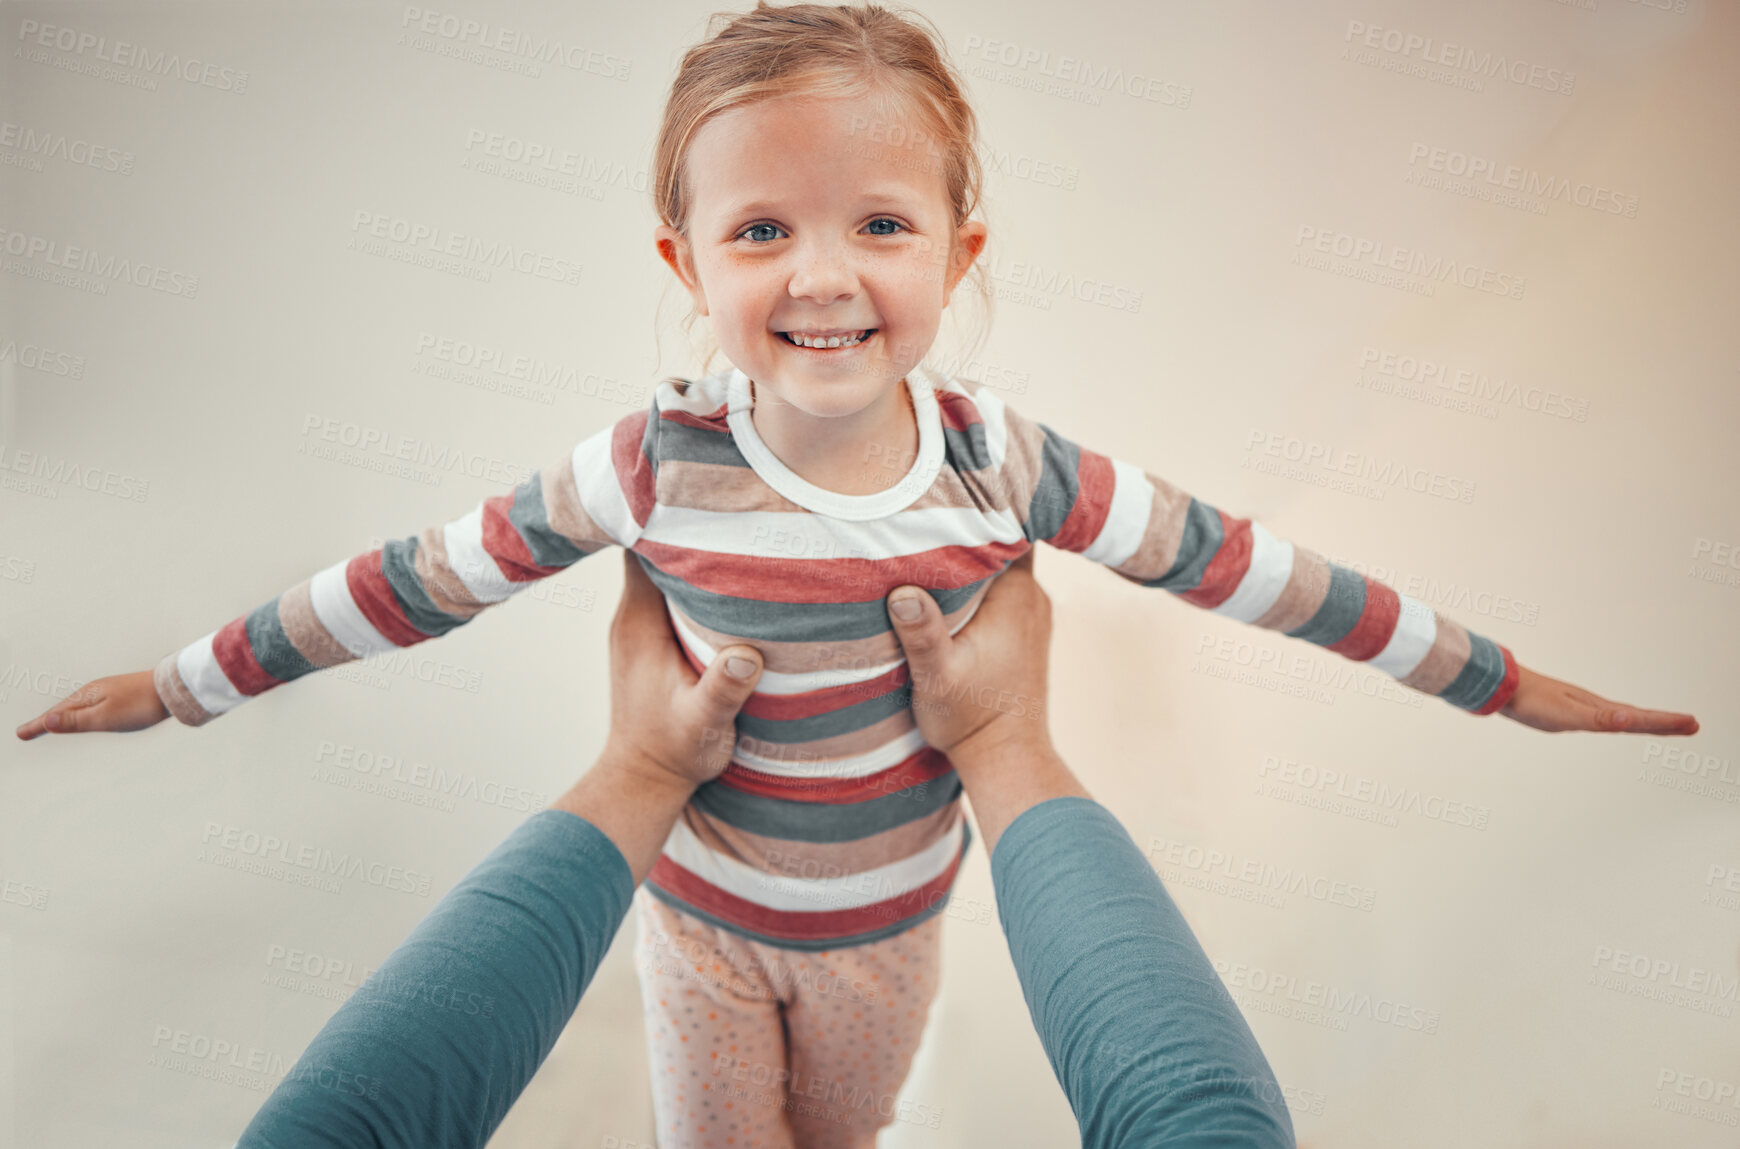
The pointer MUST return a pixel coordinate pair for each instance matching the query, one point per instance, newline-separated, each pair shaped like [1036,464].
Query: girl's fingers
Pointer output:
[45,723]
[1577,709]
[1619,718]
[56,719]
[61,718]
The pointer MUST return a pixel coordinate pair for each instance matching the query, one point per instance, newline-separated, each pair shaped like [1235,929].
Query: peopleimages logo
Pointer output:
[1336,1000]
[436,241]
[42,471]
[394,768]
[105,267]
[532,47]
[1524,181]
[1642,966]
[1310,455]
[1259,873]
[269,849]
[1474,63]
[46,144]
[44,359]
[122,54]
[1072,73]
[1304,776]
[1475,384]
[1359,251]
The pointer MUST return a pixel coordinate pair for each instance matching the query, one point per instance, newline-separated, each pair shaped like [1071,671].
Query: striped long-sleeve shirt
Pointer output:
[835,824]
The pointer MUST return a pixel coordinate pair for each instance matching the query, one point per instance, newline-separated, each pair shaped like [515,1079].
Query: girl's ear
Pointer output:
[677,253]
[969,242]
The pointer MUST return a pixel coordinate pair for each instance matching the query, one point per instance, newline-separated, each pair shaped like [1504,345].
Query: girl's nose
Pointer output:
[823,275]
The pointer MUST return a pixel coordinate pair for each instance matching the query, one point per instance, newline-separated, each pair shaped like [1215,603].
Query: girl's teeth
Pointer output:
[830,342]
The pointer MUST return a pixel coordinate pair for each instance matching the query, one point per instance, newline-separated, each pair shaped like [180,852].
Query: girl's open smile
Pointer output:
[846,340]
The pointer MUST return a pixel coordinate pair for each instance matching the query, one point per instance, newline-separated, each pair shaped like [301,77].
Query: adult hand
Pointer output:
[985,684]
[670,728]
[665,719]
[980,695]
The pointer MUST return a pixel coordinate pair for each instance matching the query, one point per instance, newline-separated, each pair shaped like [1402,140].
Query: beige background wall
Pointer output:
[1597,543]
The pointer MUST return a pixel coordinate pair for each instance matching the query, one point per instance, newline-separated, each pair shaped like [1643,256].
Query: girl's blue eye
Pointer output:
[759,227]
[891,223]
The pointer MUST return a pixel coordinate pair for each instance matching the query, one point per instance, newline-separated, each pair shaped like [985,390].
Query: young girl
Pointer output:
[816,174]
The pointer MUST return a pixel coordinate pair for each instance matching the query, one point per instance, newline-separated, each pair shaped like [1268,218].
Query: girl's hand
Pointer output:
[1548,704]
[122,702]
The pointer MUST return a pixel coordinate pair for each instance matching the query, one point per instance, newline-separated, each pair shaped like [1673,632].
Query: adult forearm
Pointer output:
[634,803]
[1145,1040]
[1006,771]
[439,1042]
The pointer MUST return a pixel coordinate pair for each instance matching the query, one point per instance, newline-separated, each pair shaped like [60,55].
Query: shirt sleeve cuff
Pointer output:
[175,696]
[1506,686]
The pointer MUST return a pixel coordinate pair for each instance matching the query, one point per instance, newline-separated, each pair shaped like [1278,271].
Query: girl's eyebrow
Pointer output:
[889,192]
[873,197]
[754,207]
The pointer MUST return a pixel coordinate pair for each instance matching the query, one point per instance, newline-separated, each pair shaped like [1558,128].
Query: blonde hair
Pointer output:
[821,50]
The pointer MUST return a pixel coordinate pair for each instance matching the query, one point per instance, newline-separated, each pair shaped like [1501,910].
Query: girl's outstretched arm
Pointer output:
[402,593]
[1152,533]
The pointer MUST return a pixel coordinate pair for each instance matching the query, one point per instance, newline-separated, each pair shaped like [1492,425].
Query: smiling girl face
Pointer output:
[822,246]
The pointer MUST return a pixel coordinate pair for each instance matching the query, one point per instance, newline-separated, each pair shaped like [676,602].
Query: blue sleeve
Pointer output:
[436,1046]
[1148,1045]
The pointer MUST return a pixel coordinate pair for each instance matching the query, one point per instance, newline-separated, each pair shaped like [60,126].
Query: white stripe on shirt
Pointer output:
[601,491]
[817,895]
[329,591]
[802,535]
[205,679]
[990,406]
[474,565]
[1265,578]
[1416,631]
[773,682]
[1126,519]
[890,754]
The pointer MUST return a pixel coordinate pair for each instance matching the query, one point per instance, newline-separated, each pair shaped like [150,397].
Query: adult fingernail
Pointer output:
[52,721]
[906,609]
[738,667]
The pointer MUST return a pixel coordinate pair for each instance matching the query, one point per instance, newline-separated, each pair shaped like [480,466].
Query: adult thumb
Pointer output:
[918,624]
[727,684]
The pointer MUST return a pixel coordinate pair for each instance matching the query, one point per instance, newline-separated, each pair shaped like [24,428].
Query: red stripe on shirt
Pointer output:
[924,765]
[503,543]
[634,471]
[235,657]
[374,596]
[1377,622]
[794,924]
[1506,685]
[773,579]
[1093,502]
[1228,566]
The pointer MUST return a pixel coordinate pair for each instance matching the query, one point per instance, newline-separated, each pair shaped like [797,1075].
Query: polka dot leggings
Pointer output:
[754,1046]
